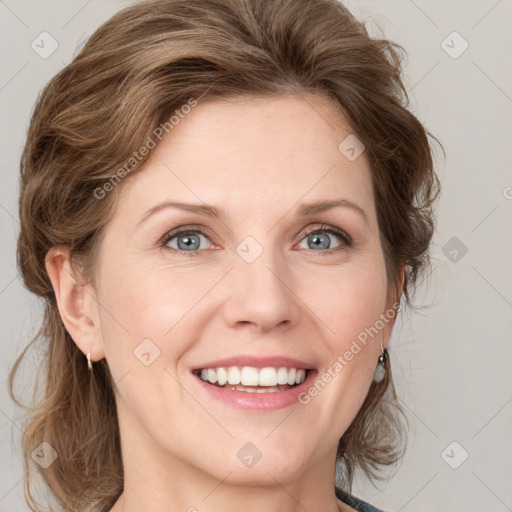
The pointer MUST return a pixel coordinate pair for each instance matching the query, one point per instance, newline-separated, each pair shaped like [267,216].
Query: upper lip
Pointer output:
[256,362]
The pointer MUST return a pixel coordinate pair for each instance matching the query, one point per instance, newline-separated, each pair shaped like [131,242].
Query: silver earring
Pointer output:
[89,364]
[381,367]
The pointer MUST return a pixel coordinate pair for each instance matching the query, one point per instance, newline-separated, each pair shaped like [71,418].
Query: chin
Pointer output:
[263,466]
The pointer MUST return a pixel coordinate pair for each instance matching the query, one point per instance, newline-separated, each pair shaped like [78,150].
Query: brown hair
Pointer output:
[135,71]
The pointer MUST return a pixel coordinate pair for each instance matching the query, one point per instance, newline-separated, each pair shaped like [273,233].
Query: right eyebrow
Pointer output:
[202,209]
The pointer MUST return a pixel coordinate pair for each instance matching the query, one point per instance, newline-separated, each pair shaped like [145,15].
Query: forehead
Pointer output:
[250,154]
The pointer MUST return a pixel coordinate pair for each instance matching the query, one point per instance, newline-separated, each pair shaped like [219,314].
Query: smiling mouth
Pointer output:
[253,380]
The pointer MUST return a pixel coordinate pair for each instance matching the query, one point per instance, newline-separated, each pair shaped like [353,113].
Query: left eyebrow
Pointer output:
[305,209]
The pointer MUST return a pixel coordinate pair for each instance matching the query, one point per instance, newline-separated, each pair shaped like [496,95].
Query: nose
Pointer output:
[261,295]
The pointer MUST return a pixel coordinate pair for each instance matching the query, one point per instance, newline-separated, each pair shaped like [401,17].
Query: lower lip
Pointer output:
[258,401]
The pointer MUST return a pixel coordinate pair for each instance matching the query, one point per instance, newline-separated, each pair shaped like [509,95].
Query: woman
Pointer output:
[222,203]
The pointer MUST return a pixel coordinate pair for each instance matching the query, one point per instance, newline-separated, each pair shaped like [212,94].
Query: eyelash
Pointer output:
[324,228]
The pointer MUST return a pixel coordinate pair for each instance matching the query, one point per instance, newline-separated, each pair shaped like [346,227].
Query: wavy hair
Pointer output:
[138,68]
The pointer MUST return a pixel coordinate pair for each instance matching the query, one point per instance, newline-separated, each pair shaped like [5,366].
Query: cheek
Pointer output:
[153,304]
[352,309]
[353,302]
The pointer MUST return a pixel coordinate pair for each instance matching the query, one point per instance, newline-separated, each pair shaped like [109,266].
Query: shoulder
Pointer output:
[356,503]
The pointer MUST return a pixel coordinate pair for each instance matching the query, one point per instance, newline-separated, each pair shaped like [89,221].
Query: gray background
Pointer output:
[452,359]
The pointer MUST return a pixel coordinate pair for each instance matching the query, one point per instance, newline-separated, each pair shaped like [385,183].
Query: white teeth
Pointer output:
[249,376]
[233,375]
[291,376]
[222,376]
[282,376]
[212,376]
[256,390]
[268,377]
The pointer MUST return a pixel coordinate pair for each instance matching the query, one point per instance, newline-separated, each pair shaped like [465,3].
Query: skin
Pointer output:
[257,159]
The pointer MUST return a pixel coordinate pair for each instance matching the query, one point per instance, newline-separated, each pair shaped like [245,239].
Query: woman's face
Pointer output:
[255,289]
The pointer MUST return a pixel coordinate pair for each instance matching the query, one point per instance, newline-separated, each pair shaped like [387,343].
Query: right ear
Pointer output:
[76,302]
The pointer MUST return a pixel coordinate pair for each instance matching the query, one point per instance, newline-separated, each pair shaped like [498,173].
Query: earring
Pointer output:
[381,367]
[89,364]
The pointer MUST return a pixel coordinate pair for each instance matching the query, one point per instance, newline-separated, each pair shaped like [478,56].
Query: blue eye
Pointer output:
[187,245]
[189,240]
[320,241]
